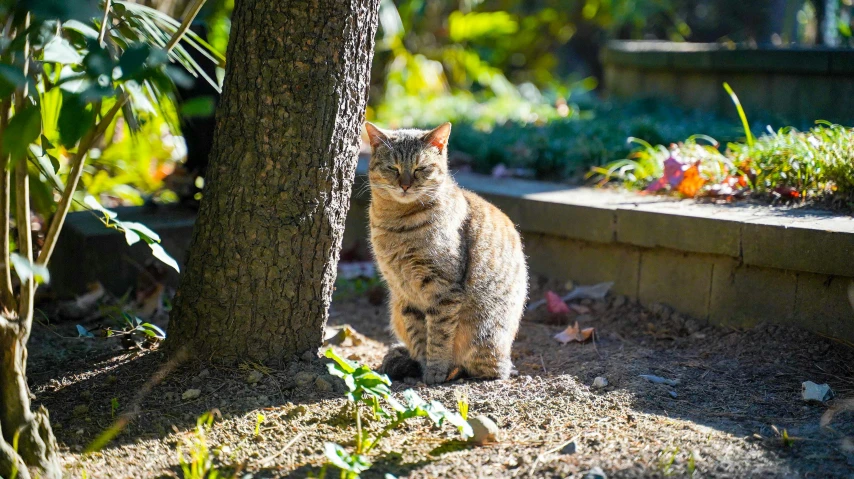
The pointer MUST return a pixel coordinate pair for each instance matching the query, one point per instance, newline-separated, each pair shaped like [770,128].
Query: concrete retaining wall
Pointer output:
[799,84]
[734,265]
[730,265]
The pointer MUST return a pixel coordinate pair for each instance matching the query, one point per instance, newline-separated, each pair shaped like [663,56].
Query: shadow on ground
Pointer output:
[738,393]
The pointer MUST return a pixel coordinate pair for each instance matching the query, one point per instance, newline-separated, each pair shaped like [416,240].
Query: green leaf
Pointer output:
[91,202]
[198,107]
[11,78]
[75,119]
[132,61]
[147,234]
[23,129]
[98,62]
[342,459]
[47,165]
[153,330]
[345,364]
[162,255]
[59,50]
[81,28]
[63,10]
[27,270]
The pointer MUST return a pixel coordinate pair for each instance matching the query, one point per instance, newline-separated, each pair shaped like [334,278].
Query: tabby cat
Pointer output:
[453,262]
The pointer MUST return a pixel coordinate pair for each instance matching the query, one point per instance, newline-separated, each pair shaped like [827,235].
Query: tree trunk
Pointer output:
[26,438]
[263,258]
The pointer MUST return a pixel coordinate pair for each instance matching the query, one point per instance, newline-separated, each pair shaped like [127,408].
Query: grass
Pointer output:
[815,164]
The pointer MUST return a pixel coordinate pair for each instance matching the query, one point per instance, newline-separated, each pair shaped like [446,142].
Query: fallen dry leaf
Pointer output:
[554,304]
[150,301]
[574,333]
[691,182]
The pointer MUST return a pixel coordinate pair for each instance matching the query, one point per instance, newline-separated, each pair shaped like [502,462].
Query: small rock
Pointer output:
[191,394]
[204,374]
[80,410]
[485,430]
[660,380]
[691,326]
[263,400]
[619,301]
[79,432]
[569,448]
[595,473]
[304,378]
[811,391]
[308,356]
[660,310]
[322,385]
[254,376]
[600,382]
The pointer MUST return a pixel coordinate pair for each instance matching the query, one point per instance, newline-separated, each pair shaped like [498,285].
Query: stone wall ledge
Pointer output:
[787,238]
[653,54]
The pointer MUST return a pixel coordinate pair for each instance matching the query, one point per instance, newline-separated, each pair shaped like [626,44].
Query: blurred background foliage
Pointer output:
[518,78]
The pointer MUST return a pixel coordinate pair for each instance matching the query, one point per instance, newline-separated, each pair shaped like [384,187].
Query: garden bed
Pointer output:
[735,412]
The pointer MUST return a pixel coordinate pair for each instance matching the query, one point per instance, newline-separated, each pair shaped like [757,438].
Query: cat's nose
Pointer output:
[406,180]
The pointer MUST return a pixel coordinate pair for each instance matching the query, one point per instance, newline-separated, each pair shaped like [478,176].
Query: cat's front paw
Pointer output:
[436,373]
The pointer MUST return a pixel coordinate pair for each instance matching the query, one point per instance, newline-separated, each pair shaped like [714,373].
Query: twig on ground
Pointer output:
[282,450]
[550,451]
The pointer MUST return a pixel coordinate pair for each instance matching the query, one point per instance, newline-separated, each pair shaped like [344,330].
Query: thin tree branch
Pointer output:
[22,204]
[7,296]
[104,22]
[77,162]
[192,11]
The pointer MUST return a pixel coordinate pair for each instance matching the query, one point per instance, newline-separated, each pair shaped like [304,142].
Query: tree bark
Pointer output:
[263,258]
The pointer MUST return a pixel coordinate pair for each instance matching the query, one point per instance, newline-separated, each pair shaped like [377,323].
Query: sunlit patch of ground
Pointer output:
[738,394]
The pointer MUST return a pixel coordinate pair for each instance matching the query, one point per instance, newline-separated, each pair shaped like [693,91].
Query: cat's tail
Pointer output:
[398,364]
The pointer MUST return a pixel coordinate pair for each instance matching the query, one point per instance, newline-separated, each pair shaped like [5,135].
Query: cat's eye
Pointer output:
[393,168]
[420,169]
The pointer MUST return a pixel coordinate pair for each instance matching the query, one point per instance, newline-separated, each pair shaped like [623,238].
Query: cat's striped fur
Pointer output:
[453,262]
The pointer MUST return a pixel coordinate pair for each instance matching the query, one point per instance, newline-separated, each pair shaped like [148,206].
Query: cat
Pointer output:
[453,262]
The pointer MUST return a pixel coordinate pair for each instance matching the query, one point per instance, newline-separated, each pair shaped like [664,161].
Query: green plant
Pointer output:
[198,462]
[787,163]
[367,387]
[462,402]
[69,75]
[259,418]
[114,406]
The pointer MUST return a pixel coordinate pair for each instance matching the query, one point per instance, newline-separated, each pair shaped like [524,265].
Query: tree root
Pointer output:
[36,454]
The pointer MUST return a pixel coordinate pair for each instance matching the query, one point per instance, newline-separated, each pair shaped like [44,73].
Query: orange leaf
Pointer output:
[574,333]
[691,182]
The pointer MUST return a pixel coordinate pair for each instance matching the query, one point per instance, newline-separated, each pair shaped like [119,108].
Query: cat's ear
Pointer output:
[439,136]
[376,136]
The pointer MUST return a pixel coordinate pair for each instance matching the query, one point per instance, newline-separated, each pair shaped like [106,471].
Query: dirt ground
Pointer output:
[735,412]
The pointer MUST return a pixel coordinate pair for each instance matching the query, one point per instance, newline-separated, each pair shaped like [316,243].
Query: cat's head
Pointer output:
[408,165]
